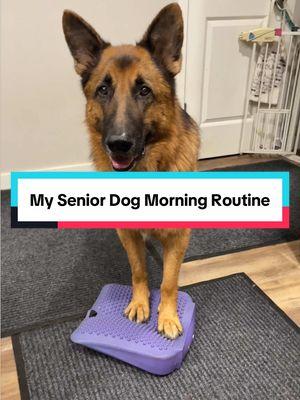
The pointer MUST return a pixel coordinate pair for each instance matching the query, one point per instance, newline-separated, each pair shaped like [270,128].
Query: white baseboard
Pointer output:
[5,176]
[293,158]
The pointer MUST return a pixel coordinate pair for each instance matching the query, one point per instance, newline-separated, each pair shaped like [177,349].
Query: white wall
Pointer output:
[294,9]
[42,107]
[297,13]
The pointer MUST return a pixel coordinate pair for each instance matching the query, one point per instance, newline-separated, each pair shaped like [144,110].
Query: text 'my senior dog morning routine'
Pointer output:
[149,200]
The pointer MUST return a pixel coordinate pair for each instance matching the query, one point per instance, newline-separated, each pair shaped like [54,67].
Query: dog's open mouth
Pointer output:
[122,165]
[125,164]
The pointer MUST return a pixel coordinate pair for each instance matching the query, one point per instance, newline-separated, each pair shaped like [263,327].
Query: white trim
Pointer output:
[293,158]
[181,77]
[184,4]
[5,176]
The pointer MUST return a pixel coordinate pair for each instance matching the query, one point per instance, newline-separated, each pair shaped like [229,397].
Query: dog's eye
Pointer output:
[144,91]
[103,90]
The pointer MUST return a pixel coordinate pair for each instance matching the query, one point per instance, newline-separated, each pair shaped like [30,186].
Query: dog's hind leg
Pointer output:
[174,245]
[138,308]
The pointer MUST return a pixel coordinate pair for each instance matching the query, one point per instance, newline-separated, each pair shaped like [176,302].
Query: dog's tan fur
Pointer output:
[175,148]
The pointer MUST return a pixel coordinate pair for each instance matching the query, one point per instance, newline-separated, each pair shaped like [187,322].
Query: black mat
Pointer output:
[244,348]
[206,243]
[48,274]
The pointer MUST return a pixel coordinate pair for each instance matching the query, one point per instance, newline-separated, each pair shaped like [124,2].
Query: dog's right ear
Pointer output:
[84,42]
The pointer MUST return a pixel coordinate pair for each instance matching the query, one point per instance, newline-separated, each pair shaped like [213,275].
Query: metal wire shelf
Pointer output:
[268,126]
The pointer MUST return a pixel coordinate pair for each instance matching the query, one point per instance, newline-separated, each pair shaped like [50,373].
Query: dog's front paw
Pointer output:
[138,310]
[169,324]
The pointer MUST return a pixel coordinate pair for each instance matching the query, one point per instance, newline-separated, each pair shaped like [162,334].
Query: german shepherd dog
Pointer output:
[136,123]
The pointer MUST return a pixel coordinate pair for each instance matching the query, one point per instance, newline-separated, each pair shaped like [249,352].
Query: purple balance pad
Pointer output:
[107,330]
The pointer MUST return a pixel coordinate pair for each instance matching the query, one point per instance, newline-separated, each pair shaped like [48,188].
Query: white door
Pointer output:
[217,69]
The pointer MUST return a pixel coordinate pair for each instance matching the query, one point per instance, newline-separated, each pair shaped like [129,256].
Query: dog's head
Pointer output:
[130,90]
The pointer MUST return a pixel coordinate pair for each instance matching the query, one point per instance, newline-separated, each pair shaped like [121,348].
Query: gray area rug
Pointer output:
[244,348]
[48,274]
[206,243]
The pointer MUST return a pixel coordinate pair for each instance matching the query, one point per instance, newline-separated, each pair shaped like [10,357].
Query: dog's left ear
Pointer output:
[164,38]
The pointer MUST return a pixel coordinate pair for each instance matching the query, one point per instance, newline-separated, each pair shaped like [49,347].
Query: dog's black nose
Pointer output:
[119,145]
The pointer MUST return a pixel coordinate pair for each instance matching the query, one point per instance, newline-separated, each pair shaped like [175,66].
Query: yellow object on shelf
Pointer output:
[259,35]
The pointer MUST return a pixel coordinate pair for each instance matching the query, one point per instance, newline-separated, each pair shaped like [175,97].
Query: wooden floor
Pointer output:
[275,269]
[232,161]
[9,379]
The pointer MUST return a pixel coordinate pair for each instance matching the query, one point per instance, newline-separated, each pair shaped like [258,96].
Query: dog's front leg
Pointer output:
[138,308]
[174,246]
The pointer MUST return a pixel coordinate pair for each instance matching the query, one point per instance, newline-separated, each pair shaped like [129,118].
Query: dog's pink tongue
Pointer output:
[120,164]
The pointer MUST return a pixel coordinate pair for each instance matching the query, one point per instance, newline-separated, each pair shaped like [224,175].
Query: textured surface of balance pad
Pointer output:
[107,330]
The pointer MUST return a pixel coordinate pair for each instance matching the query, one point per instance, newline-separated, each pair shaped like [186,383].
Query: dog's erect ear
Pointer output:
[164,38]
[84,42]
